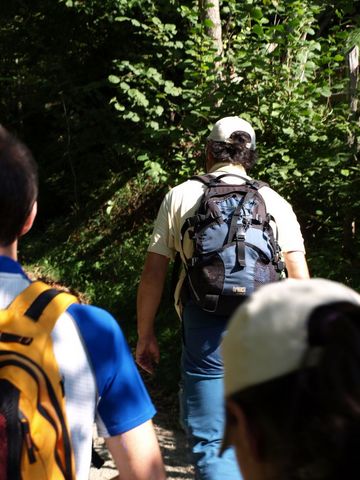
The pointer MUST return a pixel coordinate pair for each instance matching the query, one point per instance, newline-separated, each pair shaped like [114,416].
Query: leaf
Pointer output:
[289,131]
[113,79]
[143,157]
[157,21]
[325,91]
[256,13]
[159,110]
[133,116]
[208,23]
[258,30]
[154,125]
[124,86]
[119,107]
[171,89]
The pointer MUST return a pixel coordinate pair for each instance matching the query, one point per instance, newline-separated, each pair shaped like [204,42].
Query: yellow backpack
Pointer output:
[35,442]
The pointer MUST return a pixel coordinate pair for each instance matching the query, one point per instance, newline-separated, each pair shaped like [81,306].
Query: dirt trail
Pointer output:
[173,447]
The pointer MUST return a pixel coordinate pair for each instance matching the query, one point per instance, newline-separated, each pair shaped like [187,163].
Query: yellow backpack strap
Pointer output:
[42,303]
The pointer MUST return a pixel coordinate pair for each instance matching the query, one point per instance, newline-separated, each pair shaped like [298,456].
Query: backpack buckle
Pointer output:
[280,266]
[258,220]
[240,235]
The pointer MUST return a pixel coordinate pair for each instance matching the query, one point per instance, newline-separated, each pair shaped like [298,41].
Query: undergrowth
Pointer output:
[100,254]
[100,258]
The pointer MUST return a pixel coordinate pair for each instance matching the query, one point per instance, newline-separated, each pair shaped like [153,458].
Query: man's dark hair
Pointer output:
[235,152]
[18,186]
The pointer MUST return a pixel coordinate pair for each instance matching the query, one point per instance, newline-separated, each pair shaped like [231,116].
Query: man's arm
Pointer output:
[296,265]
[148,299]
[136,454]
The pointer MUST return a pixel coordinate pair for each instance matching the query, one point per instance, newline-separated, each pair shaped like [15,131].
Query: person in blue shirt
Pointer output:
[101,380]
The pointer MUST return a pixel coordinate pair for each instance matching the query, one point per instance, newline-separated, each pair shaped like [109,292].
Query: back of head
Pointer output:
[292,362]
[18,186]
[232,140]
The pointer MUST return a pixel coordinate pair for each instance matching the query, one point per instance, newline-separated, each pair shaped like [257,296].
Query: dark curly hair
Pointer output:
[235,152]
[307,424]
[18,186]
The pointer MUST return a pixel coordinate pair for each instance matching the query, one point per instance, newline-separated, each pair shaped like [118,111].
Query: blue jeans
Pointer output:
[201,399]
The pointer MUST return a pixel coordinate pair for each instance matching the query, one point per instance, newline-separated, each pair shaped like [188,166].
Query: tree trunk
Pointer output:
[349,229]
[210,10]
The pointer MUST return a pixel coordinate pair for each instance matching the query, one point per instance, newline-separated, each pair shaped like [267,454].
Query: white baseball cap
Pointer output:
[267,335]
[224,127]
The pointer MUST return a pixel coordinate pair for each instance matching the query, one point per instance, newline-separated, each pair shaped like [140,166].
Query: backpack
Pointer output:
[235,249]
[34,436]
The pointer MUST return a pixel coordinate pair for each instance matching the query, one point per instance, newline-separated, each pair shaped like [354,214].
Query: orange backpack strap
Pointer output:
[37,303]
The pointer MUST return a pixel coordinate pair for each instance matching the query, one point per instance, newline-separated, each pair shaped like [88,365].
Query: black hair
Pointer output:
[18,186]
[235,152]
[307,423]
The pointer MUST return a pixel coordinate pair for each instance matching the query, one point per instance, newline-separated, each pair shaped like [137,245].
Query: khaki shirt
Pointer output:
[182,201]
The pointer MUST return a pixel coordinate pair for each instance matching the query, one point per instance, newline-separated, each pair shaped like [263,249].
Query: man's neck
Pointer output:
[10,250]
[233,166]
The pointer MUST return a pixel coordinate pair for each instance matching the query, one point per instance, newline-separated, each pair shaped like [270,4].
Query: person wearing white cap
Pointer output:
[292,382]
[230,151]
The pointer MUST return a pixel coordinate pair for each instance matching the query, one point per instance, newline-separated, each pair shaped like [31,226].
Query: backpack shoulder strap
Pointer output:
[259,184]
[209,179]
[42,304]
[206,179]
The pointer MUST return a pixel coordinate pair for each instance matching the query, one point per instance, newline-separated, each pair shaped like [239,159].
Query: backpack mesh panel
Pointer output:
[10,432]
[264,273]
[3,447]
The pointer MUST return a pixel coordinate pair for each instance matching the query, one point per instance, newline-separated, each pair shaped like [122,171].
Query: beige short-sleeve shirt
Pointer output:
[182,201]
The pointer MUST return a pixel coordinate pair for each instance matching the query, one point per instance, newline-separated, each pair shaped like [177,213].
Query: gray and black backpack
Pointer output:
[235,247]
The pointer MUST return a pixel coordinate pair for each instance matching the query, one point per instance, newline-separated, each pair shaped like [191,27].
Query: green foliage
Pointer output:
[102,255]
[116,98]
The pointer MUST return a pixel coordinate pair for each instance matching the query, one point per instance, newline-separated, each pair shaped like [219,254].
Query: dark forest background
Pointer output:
[116,97]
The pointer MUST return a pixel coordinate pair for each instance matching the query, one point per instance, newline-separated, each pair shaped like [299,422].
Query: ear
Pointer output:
[243,435]
[209,160]
[30,220]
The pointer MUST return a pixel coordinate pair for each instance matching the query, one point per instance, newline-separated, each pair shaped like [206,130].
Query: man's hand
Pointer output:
[148,299]
[147,353]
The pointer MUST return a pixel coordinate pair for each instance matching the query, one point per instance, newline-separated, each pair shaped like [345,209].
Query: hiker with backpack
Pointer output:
[292,382]
[232,234]
[62,364]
